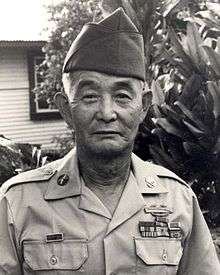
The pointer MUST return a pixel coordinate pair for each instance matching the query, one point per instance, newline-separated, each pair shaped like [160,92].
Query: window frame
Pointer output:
[34,113]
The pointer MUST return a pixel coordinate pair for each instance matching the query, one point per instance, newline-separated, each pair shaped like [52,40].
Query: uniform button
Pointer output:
[53,260]
[150,182]
[63,180]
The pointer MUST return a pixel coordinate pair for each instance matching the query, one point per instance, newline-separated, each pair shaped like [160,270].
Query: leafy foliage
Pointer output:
[185,109]
[64,143]
[18,157]
[67,17]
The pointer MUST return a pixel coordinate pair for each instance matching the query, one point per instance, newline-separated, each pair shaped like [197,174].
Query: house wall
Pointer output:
[15,120]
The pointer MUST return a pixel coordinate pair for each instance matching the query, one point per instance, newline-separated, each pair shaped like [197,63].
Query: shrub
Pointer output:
[18,157]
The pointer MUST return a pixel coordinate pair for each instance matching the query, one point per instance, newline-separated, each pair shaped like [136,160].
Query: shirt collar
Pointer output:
[147,180]
[72,187]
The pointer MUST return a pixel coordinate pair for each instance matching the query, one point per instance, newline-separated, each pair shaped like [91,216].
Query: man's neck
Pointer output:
[105,176]
[103,171]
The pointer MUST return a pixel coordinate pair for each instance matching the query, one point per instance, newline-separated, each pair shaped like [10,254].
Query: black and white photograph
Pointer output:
[110,137]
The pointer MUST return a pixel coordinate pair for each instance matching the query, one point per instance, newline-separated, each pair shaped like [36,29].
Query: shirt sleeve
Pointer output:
[9,259]
[199,255]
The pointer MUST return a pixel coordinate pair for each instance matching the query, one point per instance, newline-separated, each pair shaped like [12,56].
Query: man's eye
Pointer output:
[122,97]
[90,98]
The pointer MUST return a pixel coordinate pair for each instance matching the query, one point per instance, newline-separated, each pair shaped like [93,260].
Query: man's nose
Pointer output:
[106,110]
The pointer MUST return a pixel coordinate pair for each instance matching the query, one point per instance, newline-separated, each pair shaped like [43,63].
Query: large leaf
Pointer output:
[171,115]
[206,14]
[176,62]
[214,7]
[193,149]
[200,107]
[190,116]
[160,133]
[172,95]
[208,18]
[166,82]
[10,145]
[216,149]
[168,5]
[170,143]
[194,42]
[208,115]
[218,45]
[169,127]
[156,110]
[214,59]
[191,90]
[162,158]
[194,130]
[158,94]
[209,25]
[214,90]
[178,49]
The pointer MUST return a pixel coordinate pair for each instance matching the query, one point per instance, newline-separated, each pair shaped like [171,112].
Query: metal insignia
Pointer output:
[158,211]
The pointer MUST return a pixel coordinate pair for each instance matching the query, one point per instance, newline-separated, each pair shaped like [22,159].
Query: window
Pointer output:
[39,107]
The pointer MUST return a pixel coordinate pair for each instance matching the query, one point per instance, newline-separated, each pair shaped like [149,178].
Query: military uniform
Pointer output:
[51,223]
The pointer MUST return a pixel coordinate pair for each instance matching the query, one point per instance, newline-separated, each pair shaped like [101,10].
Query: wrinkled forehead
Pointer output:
[92,78]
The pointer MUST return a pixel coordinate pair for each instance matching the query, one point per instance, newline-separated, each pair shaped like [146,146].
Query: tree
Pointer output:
[67,19]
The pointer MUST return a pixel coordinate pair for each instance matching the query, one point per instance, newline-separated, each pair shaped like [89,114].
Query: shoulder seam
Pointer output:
[41,175]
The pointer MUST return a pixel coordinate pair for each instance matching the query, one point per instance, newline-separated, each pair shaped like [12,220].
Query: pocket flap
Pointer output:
[159,251]
[66,255]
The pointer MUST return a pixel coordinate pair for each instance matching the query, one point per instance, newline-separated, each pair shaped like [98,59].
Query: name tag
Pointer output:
[56,237]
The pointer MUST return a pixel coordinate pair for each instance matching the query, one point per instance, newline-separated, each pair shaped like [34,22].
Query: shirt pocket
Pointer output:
[158,256]
[64,255]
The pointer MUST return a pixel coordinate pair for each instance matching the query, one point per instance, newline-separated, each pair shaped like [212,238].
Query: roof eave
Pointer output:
[22,43]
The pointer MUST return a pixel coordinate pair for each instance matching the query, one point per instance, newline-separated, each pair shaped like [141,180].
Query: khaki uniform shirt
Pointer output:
[51,223]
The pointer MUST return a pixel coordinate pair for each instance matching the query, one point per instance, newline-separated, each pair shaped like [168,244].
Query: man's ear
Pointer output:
[62,102]
[146,102]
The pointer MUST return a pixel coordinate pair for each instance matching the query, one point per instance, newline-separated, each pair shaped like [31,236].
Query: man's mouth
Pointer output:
[106,132]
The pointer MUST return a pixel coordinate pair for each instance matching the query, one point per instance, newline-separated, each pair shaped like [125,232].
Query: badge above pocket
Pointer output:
[159,225]
[59,255]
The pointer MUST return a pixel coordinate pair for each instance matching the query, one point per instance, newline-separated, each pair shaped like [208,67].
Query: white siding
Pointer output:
[15,120]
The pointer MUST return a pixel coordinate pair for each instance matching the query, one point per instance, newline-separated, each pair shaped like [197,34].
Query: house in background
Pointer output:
[23,117]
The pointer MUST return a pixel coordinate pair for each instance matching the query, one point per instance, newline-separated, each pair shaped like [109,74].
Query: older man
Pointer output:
[101,210]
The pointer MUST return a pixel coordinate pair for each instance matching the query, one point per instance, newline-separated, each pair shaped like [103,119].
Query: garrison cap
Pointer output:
[112,46]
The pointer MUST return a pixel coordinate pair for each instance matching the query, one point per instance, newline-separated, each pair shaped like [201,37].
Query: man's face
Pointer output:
[106,111]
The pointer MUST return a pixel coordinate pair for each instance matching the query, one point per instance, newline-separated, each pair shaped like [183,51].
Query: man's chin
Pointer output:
[108,150]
